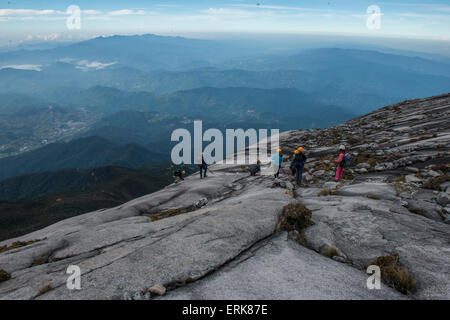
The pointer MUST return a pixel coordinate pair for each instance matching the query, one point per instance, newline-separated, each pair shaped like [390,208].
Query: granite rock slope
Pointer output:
[219,237]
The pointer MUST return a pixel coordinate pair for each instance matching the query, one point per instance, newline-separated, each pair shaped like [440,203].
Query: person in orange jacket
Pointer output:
[340,163]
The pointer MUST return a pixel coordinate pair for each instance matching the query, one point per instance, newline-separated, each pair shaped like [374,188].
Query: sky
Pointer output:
[31,20]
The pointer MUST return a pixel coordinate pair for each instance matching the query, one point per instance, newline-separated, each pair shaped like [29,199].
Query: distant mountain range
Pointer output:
[80,153]
[146,52]
[30,202]
[358,80]
[34,185]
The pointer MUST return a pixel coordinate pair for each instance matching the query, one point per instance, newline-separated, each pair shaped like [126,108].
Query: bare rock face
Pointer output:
[219,238]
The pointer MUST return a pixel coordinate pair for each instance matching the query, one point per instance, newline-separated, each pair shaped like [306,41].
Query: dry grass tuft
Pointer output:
[295,216]
[401,179]
[45,289]
[418,211]
[347,175]
[435,182]
[393,275]
[326,192]
[329,252]
[40,261]
[18,244]
[171,213]
[445,168]
[4,276]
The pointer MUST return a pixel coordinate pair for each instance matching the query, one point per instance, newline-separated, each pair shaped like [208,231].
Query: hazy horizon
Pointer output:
[402,25]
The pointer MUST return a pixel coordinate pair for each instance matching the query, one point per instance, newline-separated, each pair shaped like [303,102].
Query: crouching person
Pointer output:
[255,168]
[178,175]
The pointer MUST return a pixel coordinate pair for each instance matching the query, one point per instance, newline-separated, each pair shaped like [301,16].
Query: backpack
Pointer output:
[299,161]
[347,160]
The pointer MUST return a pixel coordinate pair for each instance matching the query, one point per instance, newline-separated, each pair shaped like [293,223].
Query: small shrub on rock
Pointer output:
[45,289]
[445,168]
[393,275]
[327,192]
[294,218]
[435,182]
[4,276]
[329,252]
[18,244]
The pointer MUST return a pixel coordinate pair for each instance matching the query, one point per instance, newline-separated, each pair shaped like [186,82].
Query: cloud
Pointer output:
[28,12]
[125,12]
[50,14]
[263,6]
[426,16]
[229,12]
[43,15]
[422,6]
[90,12]
[35,67]
[86,65]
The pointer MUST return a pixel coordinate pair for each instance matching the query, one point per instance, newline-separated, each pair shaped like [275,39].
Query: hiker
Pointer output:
[203,167]
[340,163]
[255,168]
[277,160]
[298,164]
[178,175]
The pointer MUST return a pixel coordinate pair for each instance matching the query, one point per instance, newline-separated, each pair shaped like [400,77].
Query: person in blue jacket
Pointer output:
[277,160]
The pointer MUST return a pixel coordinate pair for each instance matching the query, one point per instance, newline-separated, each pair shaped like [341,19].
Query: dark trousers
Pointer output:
[299,175]
[277,174]
[203,169]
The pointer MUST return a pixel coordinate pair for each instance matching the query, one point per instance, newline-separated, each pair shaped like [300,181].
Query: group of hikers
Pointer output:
[203,166]
[297,166]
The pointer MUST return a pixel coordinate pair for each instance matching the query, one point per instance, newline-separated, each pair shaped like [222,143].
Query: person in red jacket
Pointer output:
[340,163]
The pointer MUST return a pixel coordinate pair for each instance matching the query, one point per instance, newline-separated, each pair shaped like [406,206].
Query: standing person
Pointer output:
[340,163]
[277,160]
[203,167]
[297,164]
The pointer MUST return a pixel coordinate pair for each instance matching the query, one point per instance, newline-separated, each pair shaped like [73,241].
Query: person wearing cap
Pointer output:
[340,164]
[298,164]
[178,175]
[277,160]
[255,168]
